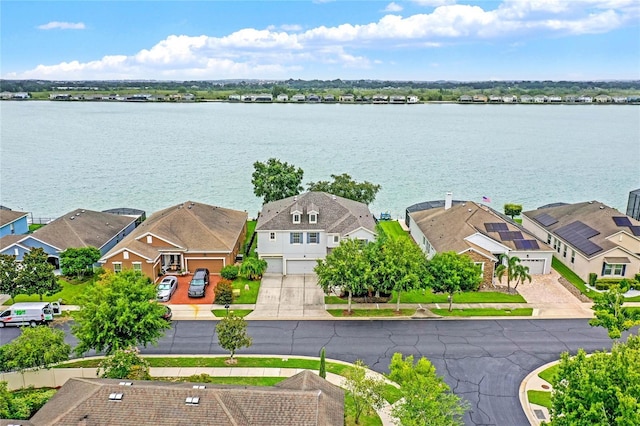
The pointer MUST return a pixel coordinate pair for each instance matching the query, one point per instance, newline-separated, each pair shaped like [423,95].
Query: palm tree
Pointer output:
[508,265]
[521,275]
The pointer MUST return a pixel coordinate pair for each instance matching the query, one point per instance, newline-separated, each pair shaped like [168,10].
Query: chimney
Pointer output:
[448,201]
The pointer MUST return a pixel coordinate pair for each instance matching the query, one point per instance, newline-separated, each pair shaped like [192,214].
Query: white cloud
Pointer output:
[277,52]
[393,7]
[433,3]
[55,25]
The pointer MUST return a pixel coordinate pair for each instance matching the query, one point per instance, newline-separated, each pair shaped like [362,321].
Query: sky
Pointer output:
[420,40]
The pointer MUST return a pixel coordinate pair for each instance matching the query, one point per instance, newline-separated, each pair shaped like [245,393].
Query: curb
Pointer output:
[522,393]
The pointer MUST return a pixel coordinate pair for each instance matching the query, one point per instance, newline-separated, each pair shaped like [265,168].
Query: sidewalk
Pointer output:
[535,413]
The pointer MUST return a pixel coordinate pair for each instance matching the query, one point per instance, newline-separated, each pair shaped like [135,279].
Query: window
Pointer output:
[125,255]
[613,269]
[559,246]
[296,218]
[295,238]
[272,236]
[548,238]
[555,243]
[13,229]
[117,267]
[336,239]
[149,239]
[137,266]
[481,268]
[313,218]
[564,252]
[313,237]
[573,256]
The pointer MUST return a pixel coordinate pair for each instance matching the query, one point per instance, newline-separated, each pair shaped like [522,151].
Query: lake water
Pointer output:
[58,156]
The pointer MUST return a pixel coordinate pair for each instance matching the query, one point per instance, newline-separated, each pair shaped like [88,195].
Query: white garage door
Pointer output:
[536,266]
[297,267]
[274,265]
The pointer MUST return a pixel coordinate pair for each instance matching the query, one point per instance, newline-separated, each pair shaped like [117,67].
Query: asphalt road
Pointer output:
[482,360]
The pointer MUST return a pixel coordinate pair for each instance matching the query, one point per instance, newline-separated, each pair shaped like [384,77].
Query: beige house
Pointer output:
[181,239]
[477,231]
[304,399]
[589,237]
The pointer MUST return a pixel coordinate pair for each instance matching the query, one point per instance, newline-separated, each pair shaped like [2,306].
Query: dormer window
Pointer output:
[296,213]
[313,218]
[296,218]
[312,213]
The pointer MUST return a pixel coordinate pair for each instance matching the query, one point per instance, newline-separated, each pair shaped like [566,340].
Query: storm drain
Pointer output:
[540,414]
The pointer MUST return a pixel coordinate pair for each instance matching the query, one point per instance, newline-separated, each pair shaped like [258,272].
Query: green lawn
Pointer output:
[570,276]
[365,419]
[246,296]
[426,296]
[549,373]
[220,380]
[251,227]
[484,312]
[372,312]
[310,364]
[632,299]
[221,313]
[35,227]
[539,397]
[69,293]
[393,229]
[335,300]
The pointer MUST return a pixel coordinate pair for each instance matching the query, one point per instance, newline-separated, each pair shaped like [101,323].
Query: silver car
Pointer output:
[166,288]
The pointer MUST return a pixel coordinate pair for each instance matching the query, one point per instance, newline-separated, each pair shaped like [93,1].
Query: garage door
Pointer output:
[297,267]
[536,266]
[274,265]
[213,265]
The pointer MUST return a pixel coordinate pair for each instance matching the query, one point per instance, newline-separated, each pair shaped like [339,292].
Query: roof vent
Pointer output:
[601,207]
[125,383]
[115,396]
[82,211]
[190,205]
[192,400]
[72,217]
[199,387]
[333,197]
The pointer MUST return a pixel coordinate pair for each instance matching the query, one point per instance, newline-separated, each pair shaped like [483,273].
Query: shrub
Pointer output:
[230,272]
[606,283]
[124,364]
[592,279]
[224,292]
[252,268]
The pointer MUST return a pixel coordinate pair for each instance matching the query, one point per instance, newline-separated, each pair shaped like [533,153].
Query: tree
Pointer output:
[426,398]
[124,364]
[346,268]
[232,334]
[36,347]
[514,270]
[253,268]
[512,210]
[35,276]
[323,364]
[366,390]
[78,261]
[451,272]
[275,180]
[118,312]
[223,292]
[610,314]
[601,389]
[9,275]
[401,266]
[344,186]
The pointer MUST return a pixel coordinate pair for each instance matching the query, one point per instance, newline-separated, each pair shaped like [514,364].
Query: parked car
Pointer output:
[167,314]
[199,283]
[29,313]
[166,288]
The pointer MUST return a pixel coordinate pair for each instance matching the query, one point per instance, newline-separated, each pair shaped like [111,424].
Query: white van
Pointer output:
[28,313]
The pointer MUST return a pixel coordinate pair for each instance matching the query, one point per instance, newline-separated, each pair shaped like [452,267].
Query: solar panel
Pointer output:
[510,235]
[635,230]
[587,247]
[495,227]
[526,244]
[576,228]
[546,219]
[622,221]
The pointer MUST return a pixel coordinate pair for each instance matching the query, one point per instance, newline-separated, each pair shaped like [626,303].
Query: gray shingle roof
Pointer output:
[305,402]
[190,226]
[335,214]
[87,228]
[8,216]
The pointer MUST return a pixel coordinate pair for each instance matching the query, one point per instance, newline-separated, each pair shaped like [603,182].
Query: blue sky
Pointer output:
[421,40]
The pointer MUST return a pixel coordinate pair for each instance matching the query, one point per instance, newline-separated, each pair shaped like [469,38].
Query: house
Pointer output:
[510,99]
[179,238]
[313,98]
[13,222]
[480,98]
[413,99]
[76,229]
[526,99]
[397,99]
[263,97]
[293,233]
[328,98]
[298,98]
[380,99]
[603,99]
[347,98]
[496,99]
[304,399]
[540,99]
[465,98]
[282,97]
[234,98]
[477,231]
[589,237]
[633,205]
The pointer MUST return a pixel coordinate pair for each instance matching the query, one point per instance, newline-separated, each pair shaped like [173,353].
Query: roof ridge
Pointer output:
[207,229]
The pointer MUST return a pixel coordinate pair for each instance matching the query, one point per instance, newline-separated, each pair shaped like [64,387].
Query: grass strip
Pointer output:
[571,276]
[371,312]
[248,297]
[366,419]
[484,312]
[392,229]
[426,296]
[539,397]
[225,380]
[549,374]
[221,313]
[69,293]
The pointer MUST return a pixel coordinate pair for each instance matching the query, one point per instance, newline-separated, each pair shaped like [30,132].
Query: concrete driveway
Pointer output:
[289,297]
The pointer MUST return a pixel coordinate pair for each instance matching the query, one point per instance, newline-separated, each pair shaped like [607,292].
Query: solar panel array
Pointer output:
[526,244]
[546,219]
[622,221]
[510,235]
[577,234]
[496,227]
[635,230]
